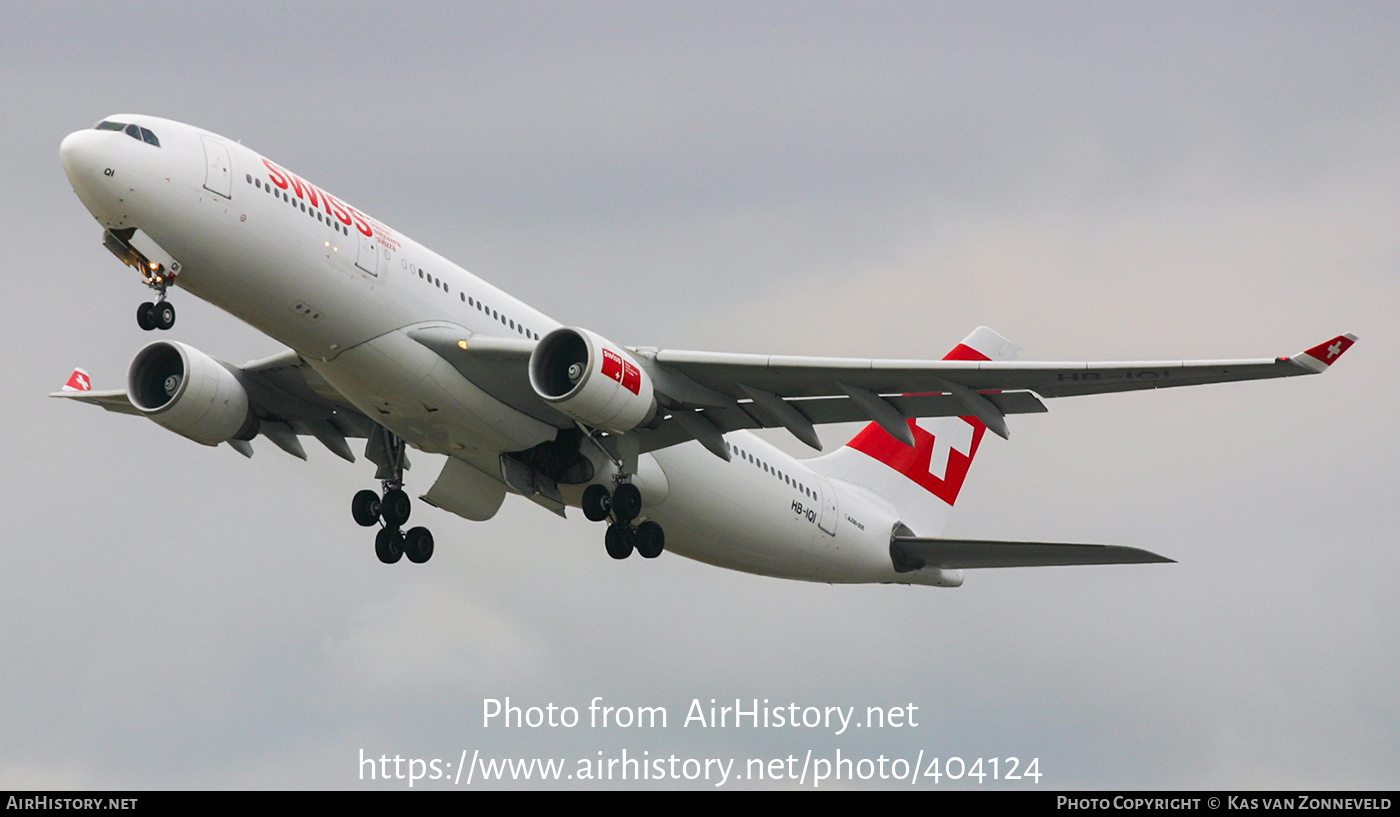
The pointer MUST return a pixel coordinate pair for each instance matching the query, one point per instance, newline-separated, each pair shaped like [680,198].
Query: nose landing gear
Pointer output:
[158,315]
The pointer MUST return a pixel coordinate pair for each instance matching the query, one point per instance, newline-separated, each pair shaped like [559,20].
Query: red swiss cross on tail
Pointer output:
[924,481]
[939,461]
[78,381]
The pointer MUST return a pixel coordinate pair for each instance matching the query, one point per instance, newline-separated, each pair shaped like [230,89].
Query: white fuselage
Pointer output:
[341,289]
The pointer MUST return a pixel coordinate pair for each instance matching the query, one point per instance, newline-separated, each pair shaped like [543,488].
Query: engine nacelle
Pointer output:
[592,379]
[189,393]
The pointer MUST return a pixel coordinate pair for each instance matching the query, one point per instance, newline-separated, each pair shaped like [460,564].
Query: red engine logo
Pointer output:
[616,368]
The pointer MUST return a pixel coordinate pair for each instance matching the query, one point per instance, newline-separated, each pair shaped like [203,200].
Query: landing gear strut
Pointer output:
[161,313]
[392,509]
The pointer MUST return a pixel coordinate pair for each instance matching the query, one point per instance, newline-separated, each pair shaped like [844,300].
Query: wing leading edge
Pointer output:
[791,377]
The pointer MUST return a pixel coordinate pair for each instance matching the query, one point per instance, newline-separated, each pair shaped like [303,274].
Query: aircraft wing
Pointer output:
[288,398]
[703,395]
[954,554]
[732,391]
[795,377]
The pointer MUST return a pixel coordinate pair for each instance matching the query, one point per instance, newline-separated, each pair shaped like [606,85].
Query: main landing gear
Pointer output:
[391,510]
[623,505]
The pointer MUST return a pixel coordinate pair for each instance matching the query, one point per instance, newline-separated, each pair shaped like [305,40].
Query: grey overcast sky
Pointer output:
[1094,180]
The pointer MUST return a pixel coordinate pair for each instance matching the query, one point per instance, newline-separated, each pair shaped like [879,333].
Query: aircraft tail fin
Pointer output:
[923,482]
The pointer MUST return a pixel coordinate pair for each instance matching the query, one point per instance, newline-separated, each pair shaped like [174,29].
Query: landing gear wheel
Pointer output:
[597,502]
[651,540]
[395,508]
[418,545]
[388,545]
[163,314]
[620,540]
[365,508]
[626,502]
[143,316]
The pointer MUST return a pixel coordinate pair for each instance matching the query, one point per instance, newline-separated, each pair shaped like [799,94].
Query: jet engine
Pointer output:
[189,393]
[592,379]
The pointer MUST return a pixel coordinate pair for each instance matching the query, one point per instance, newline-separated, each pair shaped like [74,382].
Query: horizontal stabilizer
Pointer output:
[912,553]
[113,400]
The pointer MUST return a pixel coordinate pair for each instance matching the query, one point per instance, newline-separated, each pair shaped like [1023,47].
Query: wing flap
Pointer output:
[956,554]
[825,410]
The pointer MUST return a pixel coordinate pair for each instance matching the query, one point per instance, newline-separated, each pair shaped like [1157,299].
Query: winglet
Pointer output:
[1324,354]
[78,381]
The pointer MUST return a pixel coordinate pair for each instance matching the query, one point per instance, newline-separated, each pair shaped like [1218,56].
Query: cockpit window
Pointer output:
[136,132]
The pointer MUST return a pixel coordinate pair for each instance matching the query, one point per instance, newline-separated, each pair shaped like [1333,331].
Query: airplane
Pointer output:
[393,344]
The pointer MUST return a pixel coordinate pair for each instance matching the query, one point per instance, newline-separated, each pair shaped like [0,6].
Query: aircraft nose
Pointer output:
[87,159]
[79,156]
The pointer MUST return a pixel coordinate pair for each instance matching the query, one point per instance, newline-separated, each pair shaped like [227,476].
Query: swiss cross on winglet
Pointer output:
[1327,352]
[78,381]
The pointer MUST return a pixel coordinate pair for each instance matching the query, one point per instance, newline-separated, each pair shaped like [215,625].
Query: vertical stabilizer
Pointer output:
[922,482]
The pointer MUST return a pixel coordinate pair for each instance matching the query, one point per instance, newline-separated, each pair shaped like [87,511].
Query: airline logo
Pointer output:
[1332,349]
[616,368]
[78,381]
[316,197]
[938,462]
